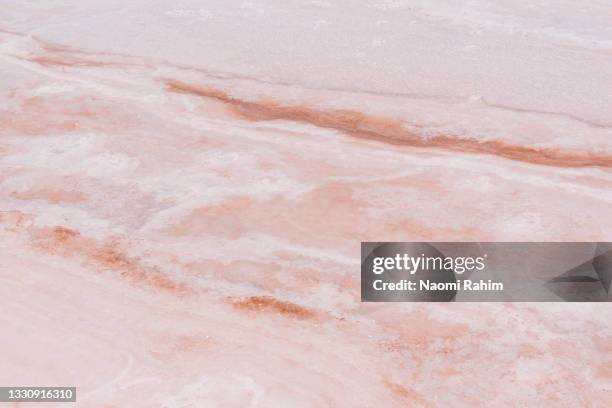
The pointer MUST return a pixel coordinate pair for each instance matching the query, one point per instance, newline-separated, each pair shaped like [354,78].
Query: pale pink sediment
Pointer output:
[180,223]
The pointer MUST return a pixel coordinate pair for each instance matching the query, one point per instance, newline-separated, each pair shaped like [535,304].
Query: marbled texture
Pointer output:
[184,186]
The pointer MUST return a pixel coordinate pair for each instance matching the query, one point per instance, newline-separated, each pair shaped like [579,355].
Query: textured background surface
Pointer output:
[184,186]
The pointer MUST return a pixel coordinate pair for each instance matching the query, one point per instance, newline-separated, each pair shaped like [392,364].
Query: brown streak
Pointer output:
[63,235]
[270,304]
[50,60]
[50,195]
[408,394]
[69,242]
[363,126]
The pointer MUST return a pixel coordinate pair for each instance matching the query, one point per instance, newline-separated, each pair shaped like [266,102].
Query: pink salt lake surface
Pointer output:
[184,186]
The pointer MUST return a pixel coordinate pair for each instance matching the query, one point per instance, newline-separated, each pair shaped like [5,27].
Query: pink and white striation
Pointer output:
[184,187]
